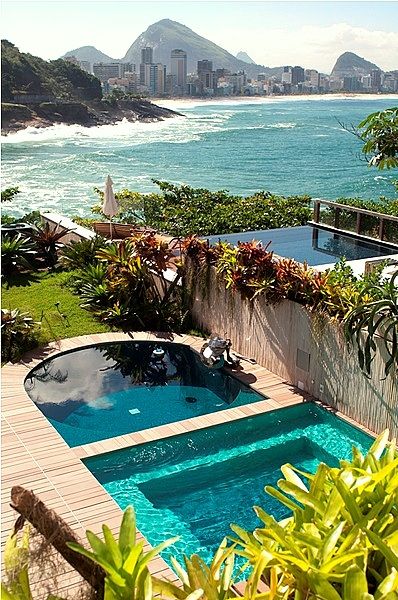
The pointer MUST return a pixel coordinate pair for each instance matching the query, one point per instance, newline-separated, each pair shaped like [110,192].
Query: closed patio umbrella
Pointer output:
[110,207]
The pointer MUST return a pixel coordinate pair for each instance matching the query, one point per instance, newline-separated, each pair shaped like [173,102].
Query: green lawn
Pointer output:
[38,294]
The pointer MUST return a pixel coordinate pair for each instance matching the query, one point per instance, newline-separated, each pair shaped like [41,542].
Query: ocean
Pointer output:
[283,145]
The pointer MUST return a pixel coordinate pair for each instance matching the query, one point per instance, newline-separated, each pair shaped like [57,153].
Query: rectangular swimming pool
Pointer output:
[311,244]
[195,485]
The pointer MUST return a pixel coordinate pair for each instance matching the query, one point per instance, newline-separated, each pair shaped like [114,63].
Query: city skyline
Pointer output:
[264,30]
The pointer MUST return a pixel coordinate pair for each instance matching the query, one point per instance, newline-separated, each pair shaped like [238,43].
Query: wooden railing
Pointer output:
[360,212]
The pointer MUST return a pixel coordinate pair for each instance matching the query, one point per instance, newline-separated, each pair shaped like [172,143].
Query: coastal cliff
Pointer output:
[19,116]
[40,93]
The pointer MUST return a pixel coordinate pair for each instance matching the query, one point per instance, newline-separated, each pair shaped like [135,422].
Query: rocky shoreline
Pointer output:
[16,117]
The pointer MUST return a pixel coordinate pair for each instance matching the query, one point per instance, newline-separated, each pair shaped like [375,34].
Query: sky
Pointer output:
[312,34]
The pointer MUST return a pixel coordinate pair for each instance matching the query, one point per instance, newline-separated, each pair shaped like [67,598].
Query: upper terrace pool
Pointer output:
[314,245]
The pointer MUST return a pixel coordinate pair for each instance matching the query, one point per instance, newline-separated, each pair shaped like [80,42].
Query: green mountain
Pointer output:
[26,75]
[352,65]
[166,35]
[245,57]
[90,54]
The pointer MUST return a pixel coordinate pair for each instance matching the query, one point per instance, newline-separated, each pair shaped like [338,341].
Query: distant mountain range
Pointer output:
[166,35]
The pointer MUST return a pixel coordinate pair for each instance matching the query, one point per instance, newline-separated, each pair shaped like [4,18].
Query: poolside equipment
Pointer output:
[110,207]
[212,353]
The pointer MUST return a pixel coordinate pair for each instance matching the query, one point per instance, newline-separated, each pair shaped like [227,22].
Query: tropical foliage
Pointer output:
[127,288]
[47,241]
[365,301]
[79,255]
[341,540]
[9,194]
[372,319]
[123,560]
[183,210]
[18,334]
[17,253]
[379,131]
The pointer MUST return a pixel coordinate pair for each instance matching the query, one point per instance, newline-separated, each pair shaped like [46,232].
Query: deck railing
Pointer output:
[350,219]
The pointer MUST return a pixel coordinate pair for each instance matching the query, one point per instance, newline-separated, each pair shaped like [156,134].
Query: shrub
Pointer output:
[340,542]
[127,288]
[17,253]
[33,218]
[79,255]
[17,334]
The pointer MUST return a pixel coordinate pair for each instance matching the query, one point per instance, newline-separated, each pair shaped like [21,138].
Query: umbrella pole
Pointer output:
[110,227]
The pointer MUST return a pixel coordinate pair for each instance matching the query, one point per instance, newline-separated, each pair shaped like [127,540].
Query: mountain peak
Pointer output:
[245,57]
[166,35]
[349,64]
[89,53]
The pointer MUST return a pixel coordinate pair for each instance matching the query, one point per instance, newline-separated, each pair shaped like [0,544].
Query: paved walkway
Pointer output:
[35,456]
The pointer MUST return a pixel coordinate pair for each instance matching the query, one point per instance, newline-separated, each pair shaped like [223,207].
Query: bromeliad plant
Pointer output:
[17,254]
[123,560]
[370,320]
[47,241]
[203,582]
[17,334]
[341,541]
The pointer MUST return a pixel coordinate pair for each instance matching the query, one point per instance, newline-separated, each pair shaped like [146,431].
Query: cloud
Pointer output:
[314,47]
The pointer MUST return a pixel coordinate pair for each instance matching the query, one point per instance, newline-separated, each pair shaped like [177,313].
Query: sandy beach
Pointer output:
[175,103]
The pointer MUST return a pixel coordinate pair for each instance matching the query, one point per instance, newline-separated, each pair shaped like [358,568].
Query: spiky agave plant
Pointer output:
[378,319]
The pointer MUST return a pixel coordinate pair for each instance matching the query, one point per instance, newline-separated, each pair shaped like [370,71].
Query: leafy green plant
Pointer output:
[123,560]
[128,289]
[371,319]
[79,255]
[200,581]
[16,558]
[17,334]
[379,131]
[9,194]
[17,253]
[33,218]
[341,540]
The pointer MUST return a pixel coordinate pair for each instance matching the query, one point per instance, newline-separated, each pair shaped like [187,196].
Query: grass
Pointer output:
[38,294]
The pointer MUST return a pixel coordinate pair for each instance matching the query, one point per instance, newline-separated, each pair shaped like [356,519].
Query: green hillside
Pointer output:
[351,65]
[89,53]
[25,74]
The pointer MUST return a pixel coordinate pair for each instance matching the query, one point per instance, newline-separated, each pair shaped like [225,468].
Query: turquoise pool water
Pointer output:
[111,389]
[195,485]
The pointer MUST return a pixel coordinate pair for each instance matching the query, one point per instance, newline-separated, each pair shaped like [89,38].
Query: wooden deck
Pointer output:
[35,456]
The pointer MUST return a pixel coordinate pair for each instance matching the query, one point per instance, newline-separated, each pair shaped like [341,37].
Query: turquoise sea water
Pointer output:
[196,484]
[288,146]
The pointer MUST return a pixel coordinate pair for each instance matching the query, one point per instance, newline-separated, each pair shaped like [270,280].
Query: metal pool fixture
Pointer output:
[212,353]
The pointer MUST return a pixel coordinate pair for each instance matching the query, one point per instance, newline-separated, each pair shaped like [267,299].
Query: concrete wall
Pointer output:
[303,348]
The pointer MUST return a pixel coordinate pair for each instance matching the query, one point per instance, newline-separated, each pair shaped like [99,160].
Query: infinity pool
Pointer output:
[195,485]
[311,244]
[111,389]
